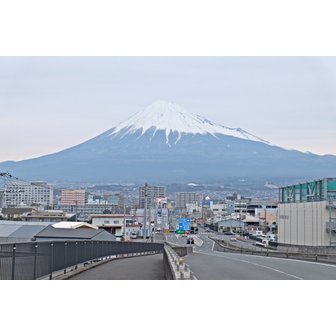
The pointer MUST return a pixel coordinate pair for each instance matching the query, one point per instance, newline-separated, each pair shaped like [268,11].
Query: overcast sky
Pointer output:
[51,103]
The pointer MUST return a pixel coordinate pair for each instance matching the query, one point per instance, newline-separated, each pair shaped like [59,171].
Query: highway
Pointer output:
[208,264]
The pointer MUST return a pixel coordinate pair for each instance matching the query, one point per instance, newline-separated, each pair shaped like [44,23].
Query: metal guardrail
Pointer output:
[284,254]
[34,260]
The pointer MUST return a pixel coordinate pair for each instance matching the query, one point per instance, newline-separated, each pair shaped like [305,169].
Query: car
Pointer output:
[134,236]
[229,234]
[233,239]
[263,243]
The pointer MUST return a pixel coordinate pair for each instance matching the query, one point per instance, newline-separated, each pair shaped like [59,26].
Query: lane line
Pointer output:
[277,258]
[263,266]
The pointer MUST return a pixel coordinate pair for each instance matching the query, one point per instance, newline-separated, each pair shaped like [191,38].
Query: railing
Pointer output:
[34,260]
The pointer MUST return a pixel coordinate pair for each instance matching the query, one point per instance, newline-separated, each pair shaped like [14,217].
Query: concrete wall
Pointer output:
[182,251]
[304,224]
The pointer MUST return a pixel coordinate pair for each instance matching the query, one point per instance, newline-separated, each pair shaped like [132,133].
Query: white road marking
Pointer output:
[277,258]
[263,266]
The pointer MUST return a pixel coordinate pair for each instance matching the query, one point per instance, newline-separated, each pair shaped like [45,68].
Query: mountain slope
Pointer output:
[164,144]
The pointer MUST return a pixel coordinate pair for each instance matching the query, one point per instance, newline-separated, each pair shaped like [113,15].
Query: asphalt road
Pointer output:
[138,268]
[208,264]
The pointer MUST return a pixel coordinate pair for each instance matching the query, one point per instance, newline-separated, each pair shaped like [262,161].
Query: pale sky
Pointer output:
[51,103]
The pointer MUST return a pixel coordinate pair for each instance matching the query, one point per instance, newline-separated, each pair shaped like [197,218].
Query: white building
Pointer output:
[88,209]
[21,193]
[307,213]
[182,199]
[219,211]
[115,223]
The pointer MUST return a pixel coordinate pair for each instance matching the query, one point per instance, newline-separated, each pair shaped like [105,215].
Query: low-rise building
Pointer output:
[230,225]
[14,213]
[114,223]
[54,216]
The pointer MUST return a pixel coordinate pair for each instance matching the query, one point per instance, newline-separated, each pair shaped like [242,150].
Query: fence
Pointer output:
[34,260]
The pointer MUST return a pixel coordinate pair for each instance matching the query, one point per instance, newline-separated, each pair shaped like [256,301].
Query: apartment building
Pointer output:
[152,193]
[28,194]
[182,199]
[74,197]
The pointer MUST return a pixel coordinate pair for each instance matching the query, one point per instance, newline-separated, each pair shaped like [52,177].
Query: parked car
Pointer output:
[134,236]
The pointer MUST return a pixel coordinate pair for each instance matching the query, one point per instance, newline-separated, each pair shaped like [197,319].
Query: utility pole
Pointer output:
[240,215]
[150,221]
[155,218]
[145,214]
[330,220]
[124,223]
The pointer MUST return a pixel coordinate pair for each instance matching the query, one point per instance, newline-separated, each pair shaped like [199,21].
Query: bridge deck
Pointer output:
[138,268]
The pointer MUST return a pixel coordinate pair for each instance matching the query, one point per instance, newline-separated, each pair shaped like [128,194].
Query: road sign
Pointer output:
[184,224]
[180,231]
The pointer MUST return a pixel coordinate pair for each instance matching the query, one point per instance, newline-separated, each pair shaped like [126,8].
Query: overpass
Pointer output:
[206,260]
[211,262]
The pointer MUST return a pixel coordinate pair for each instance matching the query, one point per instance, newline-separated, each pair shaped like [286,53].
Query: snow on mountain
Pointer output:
[170,118]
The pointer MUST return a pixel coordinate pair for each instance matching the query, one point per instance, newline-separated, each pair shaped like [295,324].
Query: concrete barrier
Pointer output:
[174,265]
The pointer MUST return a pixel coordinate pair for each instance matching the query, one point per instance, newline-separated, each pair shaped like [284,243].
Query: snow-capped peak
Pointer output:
[171,118]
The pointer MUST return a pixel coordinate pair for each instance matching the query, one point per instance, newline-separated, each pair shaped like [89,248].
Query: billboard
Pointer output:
[206,203]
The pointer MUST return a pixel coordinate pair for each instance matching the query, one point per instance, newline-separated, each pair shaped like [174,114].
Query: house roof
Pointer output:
[20,229]
[27,231]
[113,216]
[51,232]
[15,211]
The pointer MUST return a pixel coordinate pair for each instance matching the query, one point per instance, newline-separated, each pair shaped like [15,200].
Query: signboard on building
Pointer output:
[206,203]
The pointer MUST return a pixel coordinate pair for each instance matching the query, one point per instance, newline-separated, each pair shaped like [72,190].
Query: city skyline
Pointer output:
[50,103]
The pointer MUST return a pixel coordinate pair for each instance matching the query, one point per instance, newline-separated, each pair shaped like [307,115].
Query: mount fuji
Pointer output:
[164,143]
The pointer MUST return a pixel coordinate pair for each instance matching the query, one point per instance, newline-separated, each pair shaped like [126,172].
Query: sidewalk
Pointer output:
[138,268]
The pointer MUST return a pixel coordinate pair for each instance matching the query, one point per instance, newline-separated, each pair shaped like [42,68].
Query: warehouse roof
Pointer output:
[51,232]
[15,211]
